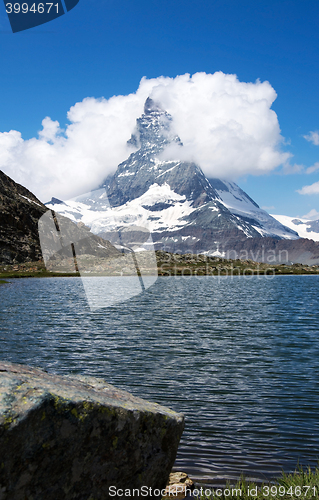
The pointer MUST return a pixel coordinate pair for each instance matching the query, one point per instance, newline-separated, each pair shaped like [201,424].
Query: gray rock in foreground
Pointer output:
[74,437]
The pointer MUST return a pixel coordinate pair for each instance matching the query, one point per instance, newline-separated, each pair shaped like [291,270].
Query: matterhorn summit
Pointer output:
[183,209]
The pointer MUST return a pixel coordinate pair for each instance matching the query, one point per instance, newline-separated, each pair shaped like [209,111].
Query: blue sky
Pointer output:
[104,48]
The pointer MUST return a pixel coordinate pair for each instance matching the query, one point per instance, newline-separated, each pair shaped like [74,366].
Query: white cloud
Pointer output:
[313,168]
[70,163]
[226,126]
[288,169]
[312,215]
[312,189]
[313,137]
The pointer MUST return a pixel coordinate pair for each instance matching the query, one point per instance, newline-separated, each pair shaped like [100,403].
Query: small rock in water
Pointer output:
[179,484]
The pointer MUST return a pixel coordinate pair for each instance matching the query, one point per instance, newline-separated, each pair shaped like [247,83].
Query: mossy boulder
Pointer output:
[73,437]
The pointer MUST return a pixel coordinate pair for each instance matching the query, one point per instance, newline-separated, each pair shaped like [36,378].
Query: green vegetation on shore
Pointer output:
[168,264]
[29,270]
[299,485]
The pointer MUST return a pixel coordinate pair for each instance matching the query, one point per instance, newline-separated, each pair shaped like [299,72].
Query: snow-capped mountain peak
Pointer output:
[184,210]
[153,129]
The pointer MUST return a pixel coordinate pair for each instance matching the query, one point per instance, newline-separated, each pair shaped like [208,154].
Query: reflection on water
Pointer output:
[240,357]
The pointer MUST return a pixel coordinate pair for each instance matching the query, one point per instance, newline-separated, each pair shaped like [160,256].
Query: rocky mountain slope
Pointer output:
[241,205]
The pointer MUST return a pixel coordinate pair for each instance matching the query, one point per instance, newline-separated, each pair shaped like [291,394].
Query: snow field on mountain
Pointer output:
[299,225]
[133,213]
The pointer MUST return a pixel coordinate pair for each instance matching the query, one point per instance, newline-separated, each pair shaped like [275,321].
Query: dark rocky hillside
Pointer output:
[20,212]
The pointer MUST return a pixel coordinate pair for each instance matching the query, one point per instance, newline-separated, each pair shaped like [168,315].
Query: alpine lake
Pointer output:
[238,355]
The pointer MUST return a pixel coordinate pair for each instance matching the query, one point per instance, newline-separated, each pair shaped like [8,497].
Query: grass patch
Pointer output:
[29,270]
[300,485]
[36,274]
[3,282]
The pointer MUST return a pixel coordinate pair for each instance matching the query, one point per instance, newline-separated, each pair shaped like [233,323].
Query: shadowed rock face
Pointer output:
[74,437]
[20,211]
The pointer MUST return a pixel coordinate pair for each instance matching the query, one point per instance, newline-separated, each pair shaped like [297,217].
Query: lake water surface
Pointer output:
[238,356]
